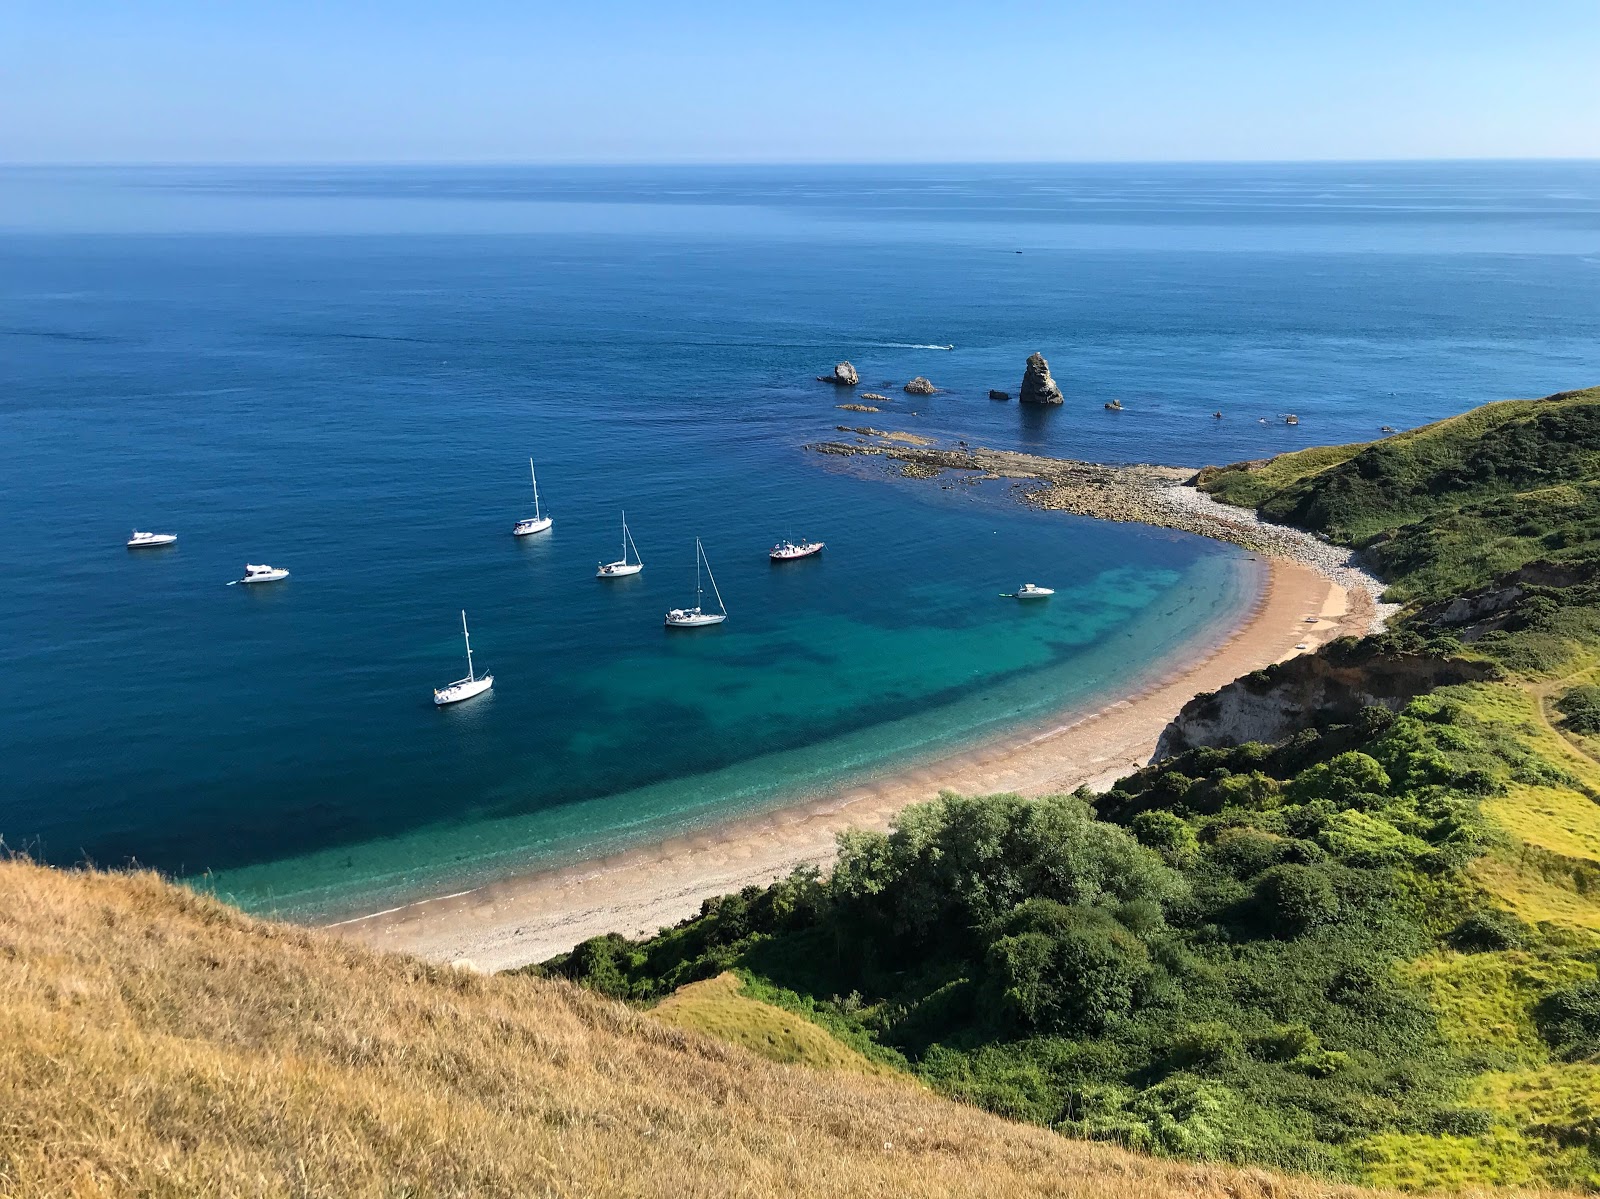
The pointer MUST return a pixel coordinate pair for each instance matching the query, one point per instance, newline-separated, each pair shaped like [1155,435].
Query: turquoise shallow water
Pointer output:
[345,371]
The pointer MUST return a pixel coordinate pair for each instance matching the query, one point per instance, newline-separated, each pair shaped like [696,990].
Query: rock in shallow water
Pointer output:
[920,387]
[844,375]
[1037,385]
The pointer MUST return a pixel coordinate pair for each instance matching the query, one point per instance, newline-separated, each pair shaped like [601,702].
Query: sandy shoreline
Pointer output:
[529,918]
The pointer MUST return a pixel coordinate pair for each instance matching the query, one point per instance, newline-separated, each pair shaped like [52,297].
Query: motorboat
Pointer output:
[622,567]
[697,616]
[787,551]
[1034,591]
[463,688]
[261,574]
[538,522]
[141,541]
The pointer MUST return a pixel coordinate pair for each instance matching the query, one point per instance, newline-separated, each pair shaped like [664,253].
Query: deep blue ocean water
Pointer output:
[343,371]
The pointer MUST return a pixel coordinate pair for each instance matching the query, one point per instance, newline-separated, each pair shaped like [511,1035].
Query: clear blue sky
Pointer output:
[709,81]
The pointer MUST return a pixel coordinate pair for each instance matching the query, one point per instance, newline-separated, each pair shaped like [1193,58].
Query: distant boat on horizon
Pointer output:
[622,567]
[463,688]
[141,541]
[695,617]
[537,523]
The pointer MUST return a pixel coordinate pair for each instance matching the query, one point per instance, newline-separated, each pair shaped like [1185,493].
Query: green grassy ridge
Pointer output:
[1357,952]
[1353,493]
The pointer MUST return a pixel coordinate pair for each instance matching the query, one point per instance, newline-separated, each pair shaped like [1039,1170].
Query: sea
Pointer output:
[345,370]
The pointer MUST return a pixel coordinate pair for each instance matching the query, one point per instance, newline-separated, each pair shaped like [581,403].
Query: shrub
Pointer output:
[1569,1019]
[1167,834]
[1205,1044]
[1487,930]
[1286,1042]
[1055,968]
[1581,707]
[1291,900]
[1245,852]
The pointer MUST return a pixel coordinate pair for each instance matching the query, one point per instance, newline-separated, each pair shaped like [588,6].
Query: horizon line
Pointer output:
[87,164]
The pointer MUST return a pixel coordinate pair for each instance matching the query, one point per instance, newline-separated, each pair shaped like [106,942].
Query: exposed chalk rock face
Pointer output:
[1037,385]
[844,375]
[999,395]
[920,387]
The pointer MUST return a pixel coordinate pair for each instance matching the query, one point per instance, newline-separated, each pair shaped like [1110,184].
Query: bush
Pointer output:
[1245,852]
[1167,834]
[1286,1042]
[1569,1019]
[1581,707]
[1205,1044]
[1054,968]
[1291,900]
[1488,930]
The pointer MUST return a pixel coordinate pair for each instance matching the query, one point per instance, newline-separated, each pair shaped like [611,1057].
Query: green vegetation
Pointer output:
[1368,951]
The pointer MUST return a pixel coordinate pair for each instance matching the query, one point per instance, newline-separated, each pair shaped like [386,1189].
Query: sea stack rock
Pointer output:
[995,394]
[1037,385]
[920,387]
[844,375]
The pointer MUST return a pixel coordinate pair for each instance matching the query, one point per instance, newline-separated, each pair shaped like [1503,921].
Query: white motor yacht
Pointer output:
[1033,591]
[695,617]
[141,541]
[463,688]
[261,574]
[787,551]
[622,567]
[538,522]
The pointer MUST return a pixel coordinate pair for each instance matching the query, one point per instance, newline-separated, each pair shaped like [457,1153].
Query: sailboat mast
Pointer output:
[698,590]
[465,636]
[534,476]
[721,607]
[624,535]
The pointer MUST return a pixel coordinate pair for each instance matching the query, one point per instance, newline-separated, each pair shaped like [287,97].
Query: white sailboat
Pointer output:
[463,688]
[616,570]
[538,522]
[142,540]
[693,618]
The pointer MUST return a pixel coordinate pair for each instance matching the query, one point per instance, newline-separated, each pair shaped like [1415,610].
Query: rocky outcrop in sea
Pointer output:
[1037,385]
[920,387]
[999,395]
[844,375]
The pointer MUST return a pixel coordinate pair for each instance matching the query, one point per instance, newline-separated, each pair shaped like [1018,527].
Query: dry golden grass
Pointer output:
[153,1042]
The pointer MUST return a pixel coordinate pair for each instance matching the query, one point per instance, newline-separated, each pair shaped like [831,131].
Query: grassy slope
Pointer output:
[1489,805]
[156,1043]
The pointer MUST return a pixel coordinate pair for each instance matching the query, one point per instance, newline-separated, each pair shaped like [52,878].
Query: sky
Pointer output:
[618,81]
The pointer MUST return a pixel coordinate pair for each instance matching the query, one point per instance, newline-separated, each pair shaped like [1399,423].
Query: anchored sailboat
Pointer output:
[463,688]
[538,522]
[691,618]
[615,570]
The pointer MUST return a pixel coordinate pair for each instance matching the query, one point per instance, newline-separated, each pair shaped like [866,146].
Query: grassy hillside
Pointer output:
[1369,951]
[156,1043]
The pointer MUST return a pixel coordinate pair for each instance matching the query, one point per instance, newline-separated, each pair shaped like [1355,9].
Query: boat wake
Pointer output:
[911,345]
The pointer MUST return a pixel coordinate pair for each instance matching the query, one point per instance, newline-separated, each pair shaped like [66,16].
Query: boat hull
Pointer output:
[618,570]
[524,528]
[271,577]
[144,543]
[460,690]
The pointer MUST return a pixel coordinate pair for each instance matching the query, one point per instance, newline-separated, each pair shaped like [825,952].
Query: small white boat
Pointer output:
[622,567]
[463,688]
[261,574]
[141,541]
[695,617]
[787,551]
[538,522]
[1033,591]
